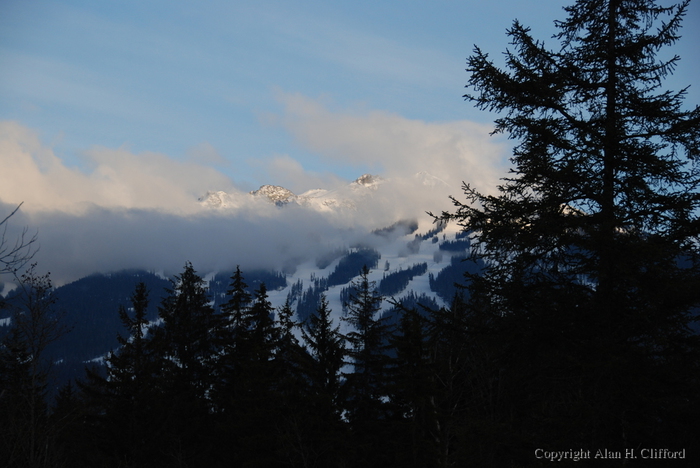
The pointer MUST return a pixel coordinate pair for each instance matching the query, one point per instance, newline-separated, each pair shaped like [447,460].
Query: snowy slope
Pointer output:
[400,243]
[395,253]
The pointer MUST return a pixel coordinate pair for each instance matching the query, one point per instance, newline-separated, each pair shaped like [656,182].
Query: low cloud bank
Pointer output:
[103,240]
[123,210]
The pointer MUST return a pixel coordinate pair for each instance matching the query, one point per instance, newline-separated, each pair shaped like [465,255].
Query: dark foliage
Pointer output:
[393,283]
[451,279]
[88,305]
[273,281]
[459,245]
[584,307]
[310,299]
[351,265]
[399,228]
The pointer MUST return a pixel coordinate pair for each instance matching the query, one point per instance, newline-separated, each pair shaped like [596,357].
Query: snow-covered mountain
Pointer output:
[408,261]
[411,259]
[319,199]
[349,197]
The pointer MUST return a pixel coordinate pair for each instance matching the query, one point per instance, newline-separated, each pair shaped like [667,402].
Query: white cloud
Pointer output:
[126,210]
[104,240]
[291,174]
[116,178]
[397,146]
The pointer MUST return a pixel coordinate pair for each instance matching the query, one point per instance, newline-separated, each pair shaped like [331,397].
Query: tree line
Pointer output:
[245,385]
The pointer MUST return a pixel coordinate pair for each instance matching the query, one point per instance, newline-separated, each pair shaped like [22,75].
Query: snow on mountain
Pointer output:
[399,251]
[274,193]
[367,180]
[221,199]
[395,243]
[400,246]
[430,180]
[392,250]
[352,196]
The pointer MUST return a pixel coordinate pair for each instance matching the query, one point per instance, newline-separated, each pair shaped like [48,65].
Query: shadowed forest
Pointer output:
[573,338]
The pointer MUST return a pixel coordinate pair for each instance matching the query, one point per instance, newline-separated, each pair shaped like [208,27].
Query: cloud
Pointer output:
[115,178]
[125,210]
[291,174]
[103,240]
[128,210]
[397,146]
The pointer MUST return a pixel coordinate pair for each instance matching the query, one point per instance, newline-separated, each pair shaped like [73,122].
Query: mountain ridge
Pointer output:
[405,261]
[349,196]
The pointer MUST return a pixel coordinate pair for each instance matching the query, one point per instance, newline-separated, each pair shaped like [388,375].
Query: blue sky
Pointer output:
[212,80]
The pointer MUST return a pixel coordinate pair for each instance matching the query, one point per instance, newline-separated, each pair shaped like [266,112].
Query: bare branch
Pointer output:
[13,256]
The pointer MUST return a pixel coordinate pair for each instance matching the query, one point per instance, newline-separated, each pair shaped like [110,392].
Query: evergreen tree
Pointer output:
[326,347]
[187,334]
[132,365]
[287,326]
[128,416]
[231,335]
[239,299]
[263,334]
[75,440]
[25,367]
[187,346]
[308,427]
[291,358]
[413,393]
[22,405]
[248,396]
[365,387]
[591,244]
[461,416]
[325,435]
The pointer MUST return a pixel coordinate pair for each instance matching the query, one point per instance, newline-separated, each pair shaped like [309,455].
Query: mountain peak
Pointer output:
[219,199]
[430,180]
[369,180]
[275,193]
[340,198]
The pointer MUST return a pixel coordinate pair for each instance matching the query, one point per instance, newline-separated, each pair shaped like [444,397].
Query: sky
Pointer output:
[115,117]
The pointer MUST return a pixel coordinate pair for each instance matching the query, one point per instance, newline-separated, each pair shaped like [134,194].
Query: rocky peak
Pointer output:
[368,180]
[275,193]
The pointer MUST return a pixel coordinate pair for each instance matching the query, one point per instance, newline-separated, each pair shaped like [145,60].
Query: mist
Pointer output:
[122,210]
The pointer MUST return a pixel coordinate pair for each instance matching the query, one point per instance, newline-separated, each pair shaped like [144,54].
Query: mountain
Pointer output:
[274,193]
[410,261]
[349,197]
[408,264]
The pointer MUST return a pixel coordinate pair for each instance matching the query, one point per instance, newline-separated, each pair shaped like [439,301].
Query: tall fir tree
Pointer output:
[365,389]
[187,334]
[263,334]
[239,300]
[325,434]
[234,329]
[308,424]
[412,391]
[591,244]
[127,414]
[247,392]
[326,347]
[187,346]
